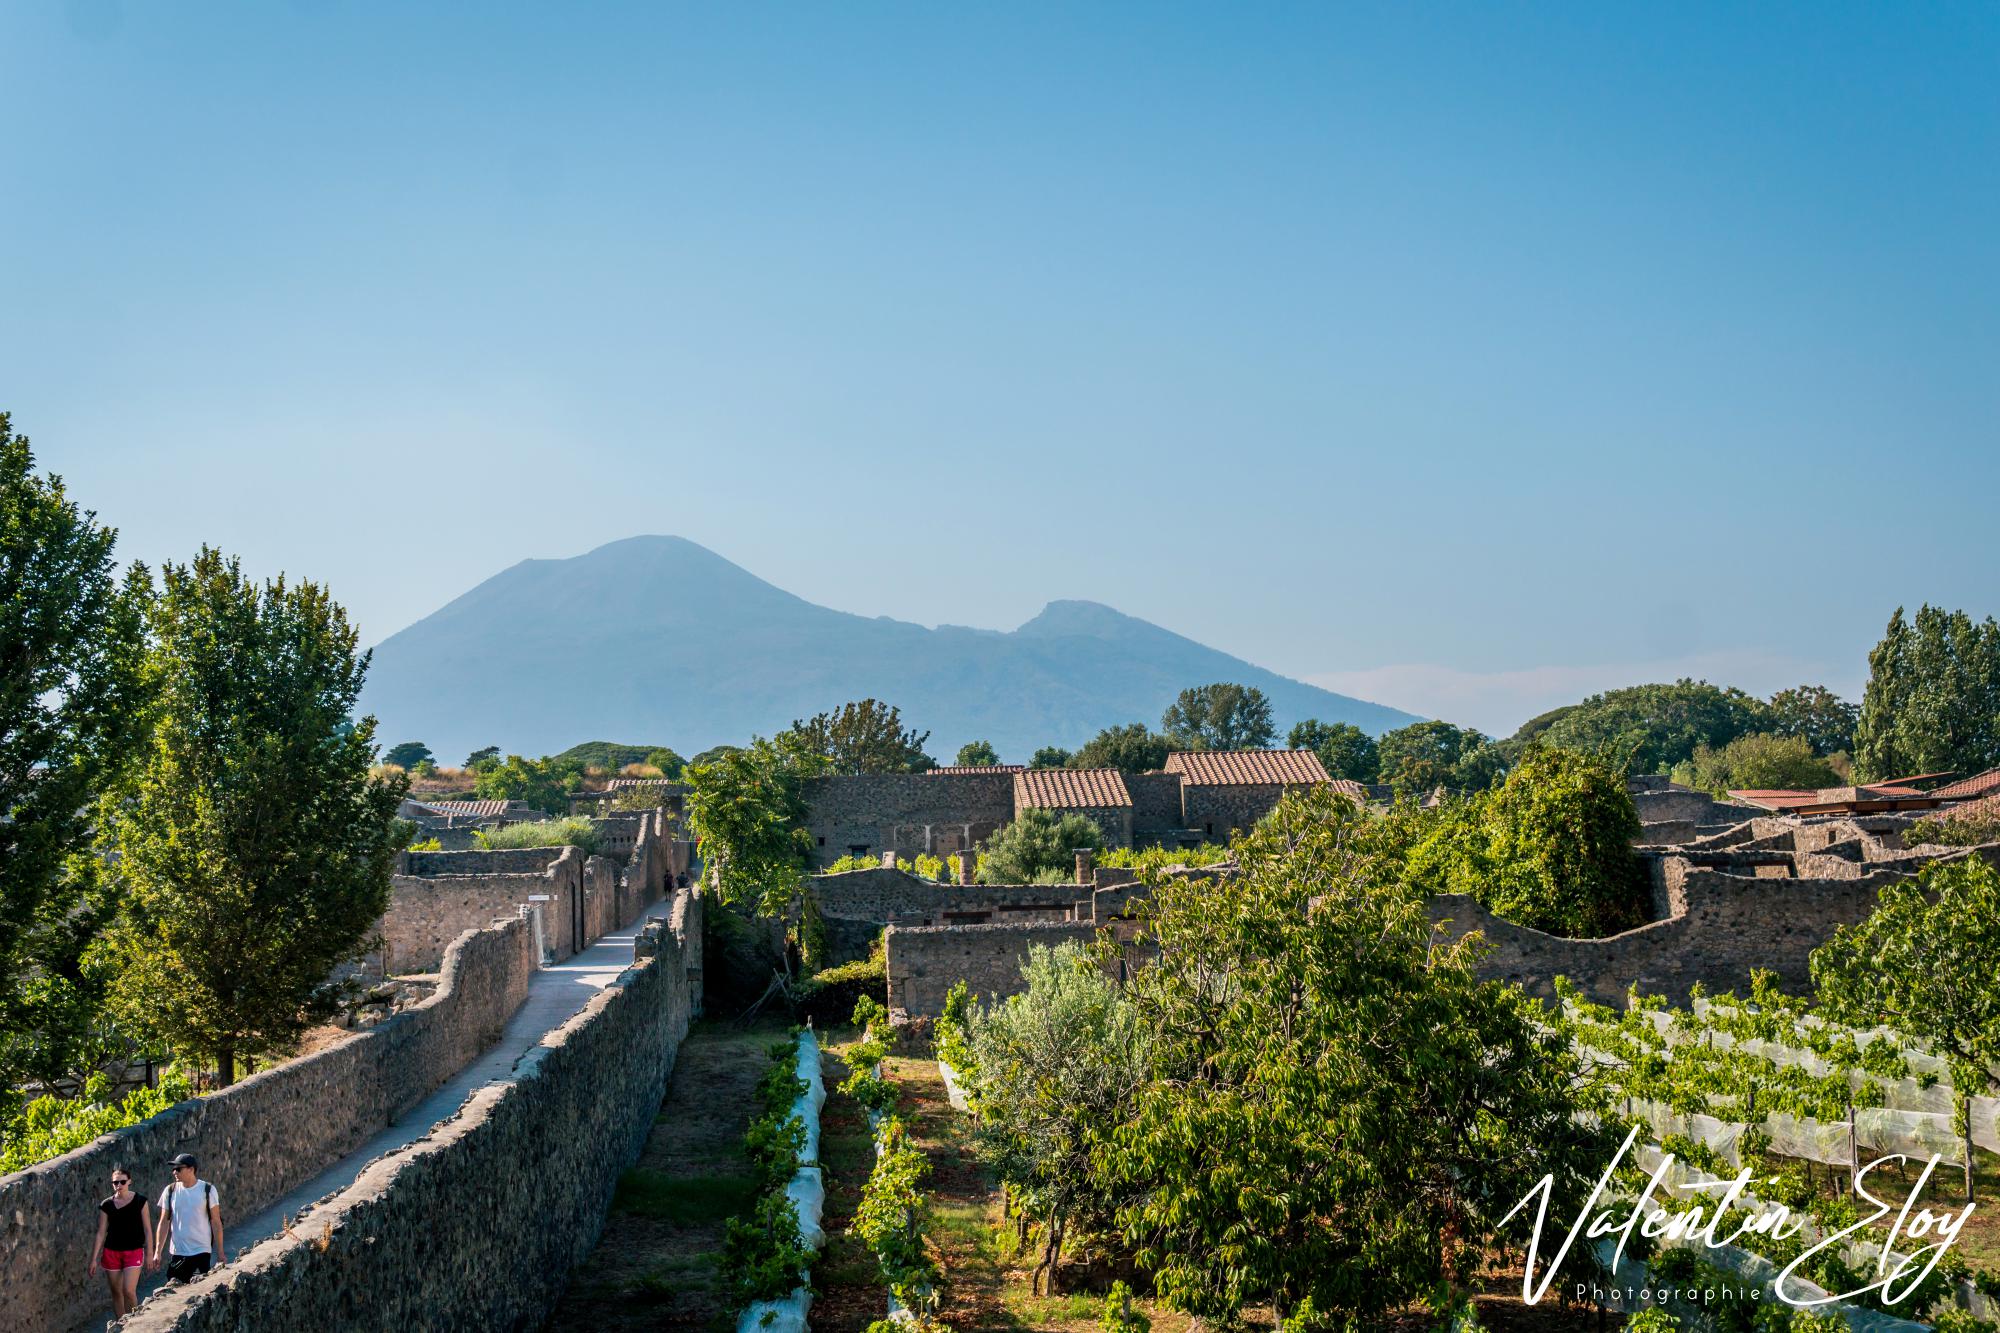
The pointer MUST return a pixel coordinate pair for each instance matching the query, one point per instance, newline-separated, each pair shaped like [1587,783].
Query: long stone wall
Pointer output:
[905,812]
[264,1136]
[479,1224]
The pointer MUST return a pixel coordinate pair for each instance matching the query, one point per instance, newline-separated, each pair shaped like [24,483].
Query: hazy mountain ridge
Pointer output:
[660,637]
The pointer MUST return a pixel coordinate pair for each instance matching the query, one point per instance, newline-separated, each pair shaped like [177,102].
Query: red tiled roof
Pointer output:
[1351,789]
[477,808]
[1979,784]
[956,770]
[1070,789]
[1247,768]
[617,784]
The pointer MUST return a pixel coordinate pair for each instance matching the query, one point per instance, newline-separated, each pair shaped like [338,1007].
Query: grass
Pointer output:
[577,832]
[646,1192]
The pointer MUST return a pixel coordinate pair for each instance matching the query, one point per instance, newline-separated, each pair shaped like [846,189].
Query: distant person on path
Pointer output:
[191,1218]
[124,1234]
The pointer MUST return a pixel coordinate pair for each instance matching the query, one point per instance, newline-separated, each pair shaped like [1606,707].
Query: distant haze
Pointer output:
[656,640]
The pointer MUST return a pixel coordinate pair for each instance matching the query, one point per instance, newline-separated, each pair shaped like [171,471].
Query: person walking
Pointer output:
[124,1235]
[190,1224]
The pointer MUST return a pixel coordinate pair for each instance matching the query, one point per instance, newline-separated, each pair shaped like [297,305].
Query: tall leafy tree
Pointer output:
[255,850]
[1339,1111]
[1133,748]
[1345,749]
[1049,756]
[72,714]
[1222,716]
[747,810]
[1824,719]
[408,754]
[1922,963]
[864,737]
[1418,759]
[1650,728]
[1759,760]
[977,754]
[1933,697]
[1550,848]
[484,757]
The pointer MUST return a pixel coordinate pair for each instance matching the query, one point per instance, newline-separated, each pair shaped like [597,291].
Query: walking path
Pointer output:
[555,995]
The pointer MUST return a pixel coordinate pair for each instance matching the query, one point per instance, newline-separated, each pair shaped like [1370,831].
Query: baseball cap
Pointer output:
[181,1159]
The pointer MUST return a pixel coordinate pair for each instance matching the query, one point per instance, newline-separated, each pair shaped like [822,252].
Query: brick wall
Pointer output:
[480,1223]
[262,1137]
[1216,812]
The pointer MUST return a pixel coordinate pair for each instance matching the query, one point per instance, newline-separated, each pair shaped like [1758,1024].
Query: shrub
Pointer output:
[952,1033]
[764,1256]
[893,1216]
[427,845]
[1758,761]
[1971,825]
[1038,845]
[51,1126]
[1159,858]
[1119,1316]
[828,997]
[575,832]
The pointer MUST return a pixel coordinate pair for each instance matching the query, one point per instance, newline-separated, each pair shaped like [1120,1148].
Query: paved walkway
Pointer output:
[555,994]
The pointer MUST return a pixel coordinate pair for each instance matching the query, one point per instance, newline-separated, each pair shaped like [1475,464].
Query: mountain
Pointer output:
[659,637]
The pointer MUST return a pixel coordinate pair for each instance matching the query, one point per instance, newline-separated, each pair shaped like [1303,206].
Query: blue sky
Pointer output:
[1466,357]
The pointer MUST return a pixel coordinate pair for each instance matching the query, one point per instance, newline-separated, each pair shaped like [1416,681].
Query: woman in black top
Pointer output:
[124,1239]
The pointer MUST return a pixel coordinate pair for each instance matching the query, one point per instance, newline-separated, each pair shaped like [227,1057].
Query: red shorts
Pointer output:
[114,1260]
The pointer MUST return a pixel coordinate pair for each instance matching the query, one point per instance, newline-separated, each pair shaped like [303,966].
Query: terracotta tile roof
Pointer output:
[481,809]
[1831,799]
[1070,789]
[955,770]
[617,784]
[1247,768]
[1351,789]
[1979,784]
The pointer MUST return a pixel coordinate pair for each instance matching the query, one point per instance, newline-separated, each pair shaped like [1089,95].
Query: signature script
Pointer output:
[1703,1221]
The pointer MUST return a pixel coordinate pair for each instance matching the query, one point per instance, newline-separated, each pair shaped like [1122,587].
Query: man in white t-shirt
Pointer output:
[191,1216]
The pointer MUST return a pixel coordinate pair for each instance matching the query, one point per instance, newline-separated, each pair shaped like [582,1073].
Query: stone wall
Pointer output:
[264,1136]
[926,961]
[1725,925]
[905,812]
[1156,806]
[601,907]
[1216,812]
[449,893]
[480,1223]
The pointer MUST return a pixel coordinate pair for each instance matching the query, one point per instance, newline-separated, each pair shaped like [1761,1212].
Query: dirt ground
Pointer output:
[656,1265]
[986,1278]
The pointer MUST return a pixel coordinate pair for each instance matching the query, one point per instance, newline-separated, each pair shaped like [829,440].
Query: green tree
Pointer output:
[484,757]
[977,754]
[747,810]
[1550,848]
[1040,846]
[1971,825]
[670,764]
[1823,718]
[864,737]
[1922,964]
[1650,728]
[1933,697]
[1418,759]
[1222,716]
[1133,748]
[72,714]
[1339,1111]
[1758,761]
[1056,1067]
[407,755]
[545,784]
[255,850]
[1049,756]
[1345,749]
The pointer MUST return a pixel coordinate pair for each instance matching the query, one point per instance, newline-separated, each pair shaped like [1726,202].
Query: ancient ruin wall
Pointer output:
[480,1223]
[453,892]
[905,812]
[1731,924]
[925,961]
[1156,805]
[264,1136]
